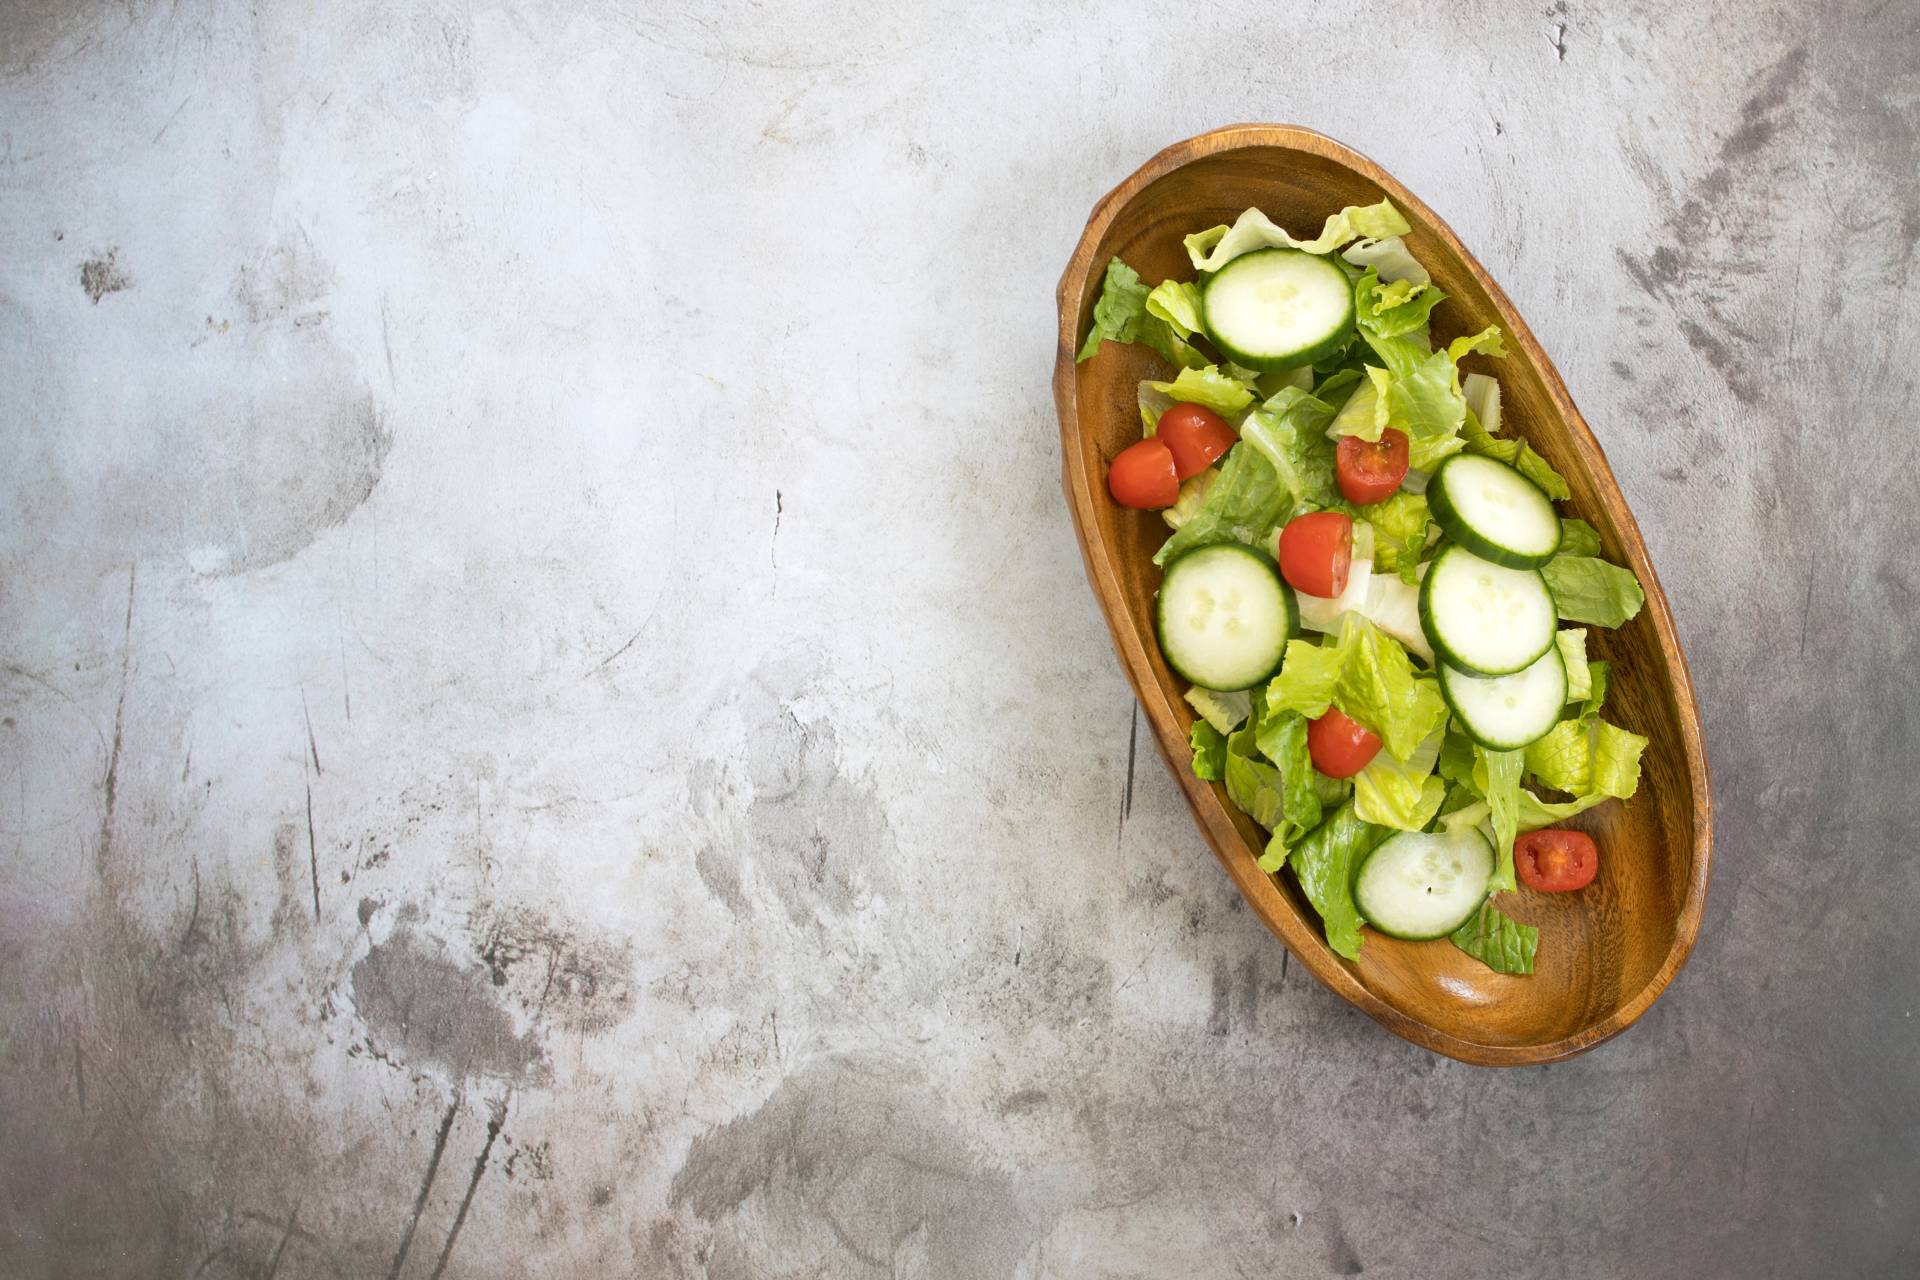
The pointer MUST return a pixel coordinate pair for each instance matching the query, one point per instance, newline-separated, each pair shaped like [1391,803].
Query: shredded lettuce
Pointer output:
[1588,589]
[1210,386]
[1395,307]
[1121,315]
[1193,492]
[1178,303]
[1487,342]
[1587,756]
[1502,944]
[1367,675]
[1365,412]
[1399,527]
[1209,752]
[1217,246]
[1325,862]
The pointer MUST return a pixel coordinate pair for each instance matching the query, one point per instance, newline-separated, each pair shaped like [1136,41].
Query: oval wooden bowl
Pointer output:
[1607,952]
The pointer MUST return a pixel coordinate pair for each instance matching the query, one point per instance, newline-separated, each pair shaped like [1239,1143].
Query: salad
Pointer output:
[1382,615]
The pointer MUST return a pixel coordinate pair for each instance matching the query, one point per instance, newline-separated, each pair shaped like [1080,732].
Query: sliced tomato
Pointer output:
[1143,476]
[1340,745]
[1369,471]
[1196,436]
[1556,861]
[1315,552]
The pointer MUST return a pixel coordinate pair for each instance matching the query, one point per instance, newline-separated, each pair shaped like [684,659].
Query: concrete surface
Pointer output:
[550,722]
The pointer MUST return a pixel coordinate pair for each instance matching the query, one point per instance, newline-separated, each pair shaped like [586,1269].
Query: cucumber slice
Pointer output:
[1224,616]
[1493,511]
[1508,712]
[1277,308]
[1421,886]
[1484,618]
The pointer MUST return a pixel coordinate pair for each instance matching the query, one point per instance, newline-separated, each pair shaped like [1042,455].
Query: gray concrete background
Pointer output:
[550,721]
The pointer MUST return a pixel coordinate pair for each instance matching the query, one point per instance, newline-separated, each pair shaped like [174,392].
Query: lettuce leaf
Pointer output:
[1597,674]
[1178,303]
[1217,246]
[1502,944]
[1578,538]
[1209,386]
[1252,783]
[1536,813]
[1121,315]
[1242,505]
[1290,430]
[1587,589]
[1401,794]
[1396,307]
[1487,341]
[1516,453]
[1367,674]
[1209,751]
[1193,494]
[1325,862]
[1365,412]
[1389,258]
[1224,711]
[1498,774]
[1399,527]
[1572,643]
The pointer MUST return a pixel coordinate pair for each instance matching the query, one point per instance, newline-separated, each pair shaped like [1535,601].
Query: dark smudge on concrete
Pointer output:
[102,275]
[430,1010]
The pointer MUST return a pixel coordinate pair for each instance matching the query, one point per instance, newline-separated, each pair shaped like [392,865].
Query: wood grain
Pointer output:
[1606,953]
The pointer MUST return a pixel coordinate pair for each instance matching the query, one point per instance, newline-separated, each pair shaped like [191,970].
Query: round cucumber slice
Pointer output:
[1493,511]
[1421,886]
[1506,713]
[1485,618]
[1277,308]
[1224,616]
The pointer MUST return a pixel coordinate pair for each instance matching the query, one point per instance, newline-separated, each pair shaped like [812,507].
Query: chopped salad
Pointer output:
[1382,615]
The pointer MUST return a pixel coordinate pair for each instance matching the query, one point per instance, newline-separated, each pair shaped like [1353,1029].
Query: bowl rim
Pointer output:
[1281,916]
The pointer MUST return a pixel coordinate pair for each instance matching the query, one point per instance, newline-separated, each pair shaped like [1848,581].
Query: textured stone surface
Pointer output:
[550,722]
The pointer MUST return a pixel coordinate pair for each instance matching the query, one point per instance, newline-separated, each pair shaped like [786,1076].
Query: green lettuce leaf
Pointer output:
[1209,751]
[1242,505]
[1252,783]
[1578,538]
[1563,759]
[1367,674]
[1597,674]
[1217,246]
[1590,590]
[1365,412]
[1487,342]
[1499,777]
[1121,315]
[1178,303]
[1399,527]
[1210,386]
[1536,813]
[1616,761]
[1502,944]
[1517,454]
[1290,430]
[1325,862]
[1193,495]
[1572,643]
[1401,794]
[1224,711]
[1393,308]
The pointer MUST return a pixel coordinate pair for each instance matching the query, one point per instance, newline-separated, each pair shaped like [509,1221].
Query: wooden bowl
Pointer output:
[1607,952]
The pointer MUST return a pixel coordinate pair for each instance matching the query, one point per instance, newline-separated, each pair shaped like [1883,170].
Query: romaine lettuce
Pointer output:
[1242,505]
[1401,794]
[1368,676]
[1587,589]
[1498,775]
[1389,258]
[1502,944]
[1217,246]
[1121,315]
[1290,430]
[1325,862]
[1209,751]
[1211,386]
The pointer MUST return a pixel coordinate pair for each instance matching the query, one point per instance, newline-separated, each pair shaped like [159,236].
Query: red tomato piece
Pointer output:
[1316,551]
[1196,436]
[1369,471]
[1143,476]
[1340,745]
[1556,861]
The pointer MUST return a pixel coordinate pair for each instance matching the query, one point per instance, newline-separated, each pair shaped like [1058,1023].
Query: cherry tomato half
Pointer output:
[1196,435]
[1143,476]
[1315,552]
[1340,745]
[1369,471]
[1555,861]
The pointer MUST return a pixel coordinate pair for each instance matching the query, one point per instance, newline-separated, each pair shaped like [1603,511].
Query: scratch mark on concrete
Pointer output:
[1133,743]
[426,1185]
[498,1118]
[80,1075]
[313,855]
[112,785]
[346,686]
[293,1219]
[773,551]
[193,916]
[385,340]
[175,116]
[614,656]
[1806,613]
[312,746]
